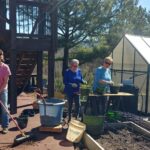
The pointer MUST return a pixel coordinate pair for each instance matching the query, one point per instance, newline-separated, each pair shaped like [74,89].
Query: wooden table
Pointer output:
[111,94]
[98,102]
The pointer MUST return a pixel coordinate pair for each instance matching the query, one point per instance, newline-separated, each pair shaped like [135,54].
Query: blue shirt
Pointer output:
[101,73]
[72,77]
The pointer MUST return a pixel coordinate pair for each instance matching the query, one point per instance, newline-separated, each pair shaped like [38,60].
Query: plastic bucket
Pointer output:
[51,111]
[75,131]
[94,124]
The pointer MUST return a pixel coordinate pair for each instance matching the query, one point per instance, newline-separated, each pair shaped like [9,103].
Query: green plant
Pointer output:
[59,85]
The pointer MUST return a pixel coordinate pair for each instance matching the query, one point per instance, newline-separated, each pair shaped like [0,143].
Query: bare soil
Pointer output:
[123,139]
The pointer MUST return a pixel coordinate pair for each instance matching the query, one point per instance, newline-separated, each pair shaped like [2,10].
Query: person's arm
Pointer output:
[103,81]
[66,78]
[106,82]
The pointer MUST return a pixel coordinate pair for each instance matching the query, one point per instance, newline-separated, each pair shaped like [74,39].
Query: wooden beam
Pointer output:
[40,70]
[2,14]
[4,19]
[12,6]
[31,3]
[40,54]
[34,36]
[13,55]
[13,88]
[90,143]
[5,36]
[52,50]
[32,44]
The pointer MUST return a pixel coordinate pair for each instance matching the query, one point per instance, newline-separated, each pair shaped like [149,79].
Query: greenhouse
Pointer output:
[131,66]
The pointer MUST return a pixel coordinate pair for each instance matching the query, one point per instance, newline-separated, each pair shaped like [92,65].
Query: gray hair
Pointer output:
[74,61]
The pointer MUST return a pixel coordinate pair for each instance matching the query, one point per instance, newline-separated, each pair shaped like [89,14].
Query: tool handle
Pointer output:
[44,100]
[23,134]
[41,97]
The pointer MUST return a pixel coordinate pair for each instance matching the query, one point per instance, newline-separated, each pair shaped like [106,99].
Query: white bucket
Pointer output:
[75,131]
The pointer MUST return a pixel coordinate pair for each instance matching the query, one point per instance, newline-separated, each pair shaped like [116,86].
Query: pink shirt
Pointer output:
[4,72]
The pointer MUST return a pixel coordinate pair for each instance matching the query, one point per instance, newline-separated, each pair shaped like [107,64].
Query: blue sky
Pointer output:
[145,4]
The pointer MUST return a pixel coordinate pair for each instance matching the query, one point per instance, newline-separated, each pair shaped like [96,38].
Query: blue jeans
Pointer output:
[76,99]
[4,115]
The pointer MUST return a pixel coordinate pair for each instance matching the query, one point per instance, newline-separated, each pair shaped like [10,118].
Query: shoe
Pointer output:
[5,130]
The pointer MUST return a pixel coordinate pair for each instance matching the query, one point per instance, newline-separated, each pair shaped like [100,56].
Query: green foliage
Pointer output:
[59,85]
[91,29]
[88,76]
[89,53]
[99,25]
[130,19]
[80,20]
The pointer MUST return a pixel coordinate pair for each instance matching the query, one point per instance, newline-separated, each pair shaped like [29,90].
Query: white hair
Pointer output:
[74,61]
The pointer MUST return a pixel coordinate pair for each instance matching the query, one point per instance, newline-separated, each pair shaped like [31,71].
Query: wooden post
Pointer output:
[13,88]
[40,54]
[2,14]
[52,50]
[40,70]
[13,53]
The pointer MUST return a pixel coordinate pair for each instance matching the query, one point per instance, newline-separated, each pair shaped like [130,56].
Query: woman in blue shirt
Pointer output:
[102,82]
[72,80]
[102,78]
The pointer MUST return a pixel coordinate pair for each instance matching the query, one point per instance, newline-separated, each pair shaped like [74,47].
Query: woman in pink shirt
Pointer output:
[4,77]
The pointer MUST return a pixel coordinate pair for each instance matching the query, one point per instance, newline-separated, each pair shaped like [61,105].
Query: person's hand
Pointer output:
[111,83]
[74,85]
[38,90]
[84,82]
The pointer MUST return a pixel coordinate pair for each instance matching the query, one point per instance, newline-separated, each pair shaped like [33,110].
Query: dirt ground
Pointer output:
[123,139]
[42,140]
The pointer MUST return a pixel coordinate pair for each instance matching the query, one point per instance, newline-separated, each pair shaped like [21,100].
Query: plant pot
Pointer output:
[94,124]
[22,121]
[114,89]
[85,91]
[100,90]
[28,112]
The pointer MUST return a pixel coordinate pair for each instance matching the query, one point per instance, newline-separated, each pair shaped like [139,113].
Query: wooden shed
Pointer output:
[27,29]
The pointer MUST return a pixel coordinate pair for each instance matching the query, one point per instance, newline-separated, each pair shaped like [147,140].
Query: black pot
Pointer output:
[28,112]
[22,121]
[114,89]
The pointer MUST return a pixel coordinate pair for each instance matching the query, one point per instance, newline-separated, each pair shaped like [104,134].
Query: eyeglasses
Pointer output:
[108,63]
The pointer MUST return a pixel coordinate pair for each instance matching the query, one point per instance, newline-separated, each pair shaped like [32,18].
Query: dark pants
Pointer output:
[76,99]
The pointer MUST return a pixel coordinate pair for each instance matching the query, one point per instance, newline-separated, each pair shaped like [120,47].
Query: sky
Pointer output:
[145,4]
